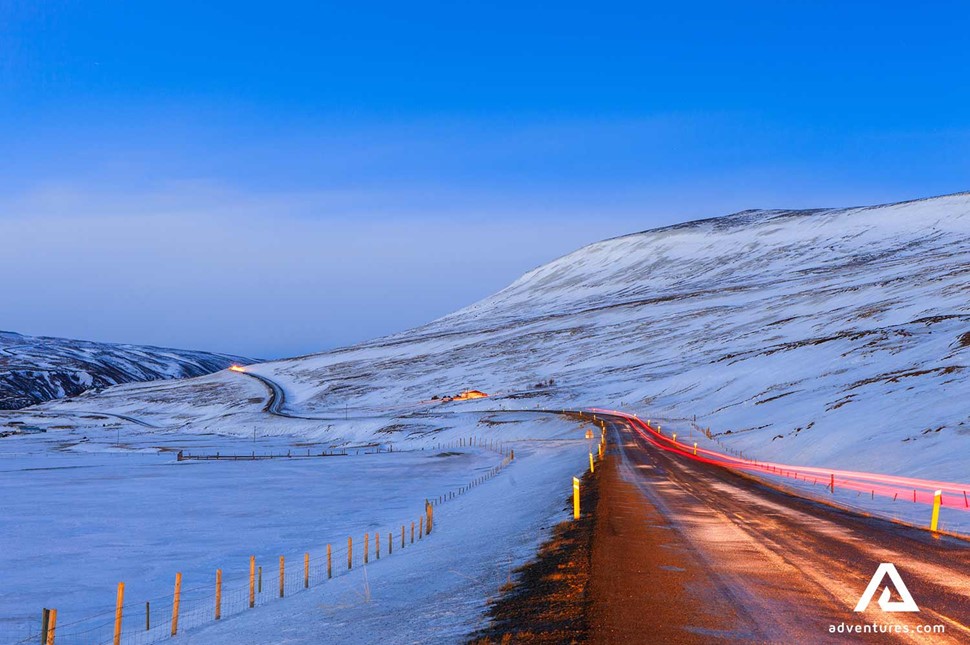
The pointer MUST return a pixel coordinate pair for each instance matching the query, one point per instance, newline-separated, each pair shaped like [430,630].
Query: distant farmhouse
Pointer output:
[464,396]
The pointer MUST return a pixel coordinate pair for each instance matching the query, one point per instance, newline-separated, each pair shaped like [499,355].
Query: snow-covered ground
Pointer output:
[80,517]
[833,337]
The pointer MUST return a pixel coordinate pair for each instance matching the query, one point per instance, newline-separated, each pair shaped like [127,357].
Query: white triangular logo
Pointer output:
[906,604]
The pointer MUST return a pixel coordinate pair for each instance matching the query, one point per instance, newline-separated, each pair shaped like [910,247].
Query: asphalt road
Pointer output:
[765,566]
[277,397]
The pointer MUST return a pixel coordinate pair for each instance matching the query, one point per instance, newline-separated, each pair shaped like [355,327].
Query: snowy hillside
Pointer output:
[36,369]
[835,336]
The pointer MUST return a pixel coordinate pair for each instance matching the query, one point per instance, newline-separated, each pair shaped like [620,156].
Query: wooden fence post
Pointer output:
[402,536]
[420,527]
[366,547]
[148,616]
[350,553]
[429,511]
[119,607]
[390,543]
[218,594]
[259,579]
[282,575]
[51,626]
[377,544]
[45,617]
[175,603]
[306,570]
[412,532]
[252,581]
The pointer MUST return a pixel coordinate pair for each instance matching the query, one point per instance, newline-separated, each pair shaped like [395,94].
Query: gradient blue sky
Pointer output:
[275,179]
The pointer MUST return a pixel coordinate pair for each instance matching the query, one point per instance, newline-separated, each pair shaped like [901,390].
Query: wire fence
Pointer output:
[188,607]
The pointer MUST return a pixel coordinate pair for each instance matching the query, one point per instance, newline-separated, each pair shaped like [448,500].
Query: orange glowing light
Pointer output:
[471,394]
[237,368]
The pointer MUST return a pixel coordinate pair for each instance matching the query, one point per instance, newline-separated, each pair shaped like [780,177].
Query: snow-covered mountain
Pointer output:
[34,369]
[835,336]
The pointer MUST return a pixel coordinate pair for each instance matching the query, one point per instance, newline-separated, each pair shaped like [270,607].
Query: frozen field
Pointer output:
[79,518]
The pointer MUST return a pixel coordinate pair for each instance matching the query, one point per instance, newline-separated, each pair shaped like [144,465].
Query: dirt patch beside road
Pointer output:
[548,601]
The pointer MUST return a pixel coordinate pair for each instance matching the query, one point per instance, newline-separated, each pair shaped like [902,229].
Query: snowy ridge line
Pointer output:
[801,480]
[151,621]
[38,369]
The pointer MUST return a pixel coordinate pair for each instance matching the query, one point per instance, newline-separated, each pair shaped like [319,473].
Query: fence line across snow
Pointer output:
[254,584]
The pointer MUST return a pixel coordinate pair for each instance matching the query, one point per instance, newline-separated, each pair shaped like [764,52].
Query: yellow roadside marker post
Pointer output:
[937,501]
[575,498]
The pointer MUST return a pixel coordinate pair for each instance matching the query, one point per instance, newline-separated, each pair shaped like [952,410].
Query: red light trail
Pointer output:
[892,486]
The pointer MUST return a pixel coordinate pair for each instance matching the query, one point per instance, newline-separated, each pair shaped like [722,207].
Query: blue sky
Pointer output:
[279,179]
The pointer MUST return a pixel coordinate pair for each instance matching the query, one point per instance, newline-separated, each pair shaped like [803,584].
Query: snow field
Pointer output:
[134,514]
